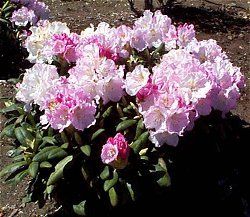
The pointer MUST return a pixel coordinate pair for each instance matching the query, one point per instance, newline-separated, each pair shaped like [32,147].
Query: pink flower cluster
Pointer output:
[66,104]
[191,78]
[116,151]
[185,86]
[30,12]
[64,46]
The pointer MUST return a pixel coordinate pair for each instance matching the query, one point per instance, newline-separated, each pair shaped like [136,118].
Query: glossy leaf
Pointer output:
[97,134]
[8,131]
[24,137]
[113,197]
[86,149]
[43,154]
[45,164]
[125,124]
[57,153]
[59,168]
[105,173]
[33,169]
[138,145]
[12,168]
[111,182]
[80,209]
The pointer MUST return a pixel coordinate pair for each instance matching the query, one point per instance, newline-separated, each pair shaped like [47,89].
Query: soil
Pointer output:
[226,21]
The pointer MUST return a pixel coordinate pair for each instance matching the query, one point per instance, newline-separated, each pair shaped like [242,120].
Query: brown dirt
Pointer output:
[226,21]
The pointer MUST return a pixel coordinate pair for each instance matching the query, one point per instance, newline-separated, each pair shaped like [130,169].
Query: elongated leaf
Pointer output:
[65,145]
[125,124]
[107,112]
[12,168]
[33,169]
[45,164]
[57,153]
[113,197]
[49,139]
[24,137]
[97,134]
[138,145]
[8,131]
[139,129]
[58,173]
[43,154]
[80,209]
[105,173]
[164,180]
[86,149]
[78,138]
[131,191]
[111,182]
[18,178]
[10,108]
[49,189]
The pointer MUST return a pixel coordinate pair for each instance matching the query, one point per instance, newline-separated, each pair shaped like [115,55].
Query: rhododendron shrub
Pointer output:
[16,17]
[103,103]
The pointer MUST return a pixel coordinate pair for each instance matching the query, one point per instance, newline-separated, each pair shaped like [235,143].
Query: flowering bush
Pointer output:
[16,17]
[96,107]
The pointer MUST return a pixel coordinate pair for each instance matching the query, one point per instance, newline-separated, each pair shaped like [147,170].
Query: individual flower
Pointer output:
[116,151]
[136,79]
[36,83]
[23,17]
[185,34]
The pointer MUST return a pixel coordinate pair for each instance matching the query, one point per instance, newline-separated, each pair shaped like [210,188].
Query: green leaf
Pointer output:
[131,191]
[58,173]
[49,189]
[43,154]
[78,138]
[111,182]
[138,145]
[12,168]
[97,134]
[11,108]
[49,139]
[24,137]
[8,131]
[18,178]
[57,153]
[80,209]
[27,126]
[105,173]
[65,145]
[45,164]
[107,112]
[33,169]
[86,149]
[139,129]
[125,124]
[113,197]
[164,180]
[19,119]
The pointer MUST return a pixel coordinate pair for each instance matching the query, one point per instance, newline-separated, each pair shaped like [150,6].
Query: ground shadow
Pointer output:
[209,171]
[208,20]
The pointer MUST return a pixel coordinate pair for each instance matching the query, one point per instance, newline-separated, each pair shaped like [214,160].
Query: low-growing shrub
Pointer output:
[97,110]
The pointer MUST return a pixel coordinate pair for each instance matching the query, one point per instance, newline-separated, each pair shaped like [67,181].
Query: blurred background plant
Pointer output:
[12,54]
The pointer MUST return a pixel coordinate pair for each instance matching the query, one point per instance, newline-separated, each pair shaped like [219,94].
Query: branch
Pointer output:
[132,8]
